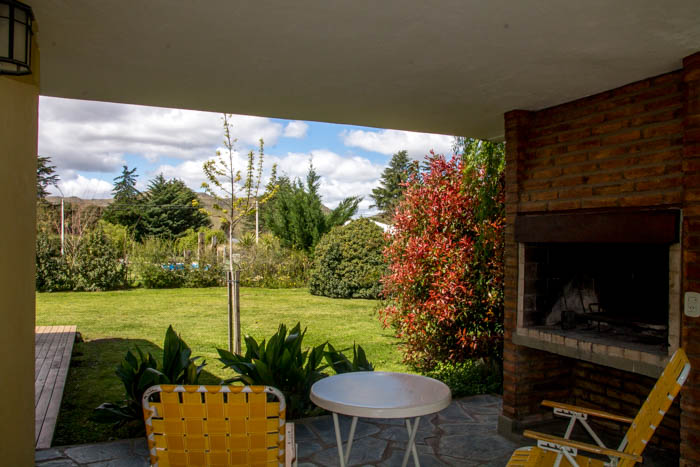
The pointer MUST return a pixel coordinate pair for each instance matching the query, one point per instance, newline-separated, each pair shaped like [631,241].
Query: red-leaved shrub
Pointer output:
[445,256]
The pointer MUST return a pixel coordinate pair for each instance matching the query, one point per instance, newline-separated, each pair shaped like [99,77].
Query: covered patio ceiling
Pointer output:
[453,66]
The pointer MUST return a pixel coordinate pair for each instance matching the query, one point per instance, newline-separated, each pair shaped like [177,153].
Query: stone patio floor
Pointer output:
[464,434]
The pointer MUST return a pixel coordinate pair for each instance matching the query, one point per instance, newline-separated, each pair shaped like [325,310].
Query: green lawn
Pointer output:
[112,322]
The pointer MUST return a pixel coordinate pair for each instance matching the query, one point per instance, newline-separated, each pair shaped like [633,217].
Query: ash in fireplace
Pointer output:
[578,295]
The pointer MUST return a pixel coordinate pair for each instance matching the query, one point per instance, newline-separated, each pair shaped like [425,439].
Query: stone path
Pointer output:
[464,434]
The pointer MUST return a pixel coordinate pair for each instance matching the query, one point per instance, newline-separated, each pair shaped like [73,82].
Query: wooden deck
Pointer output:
[54,345]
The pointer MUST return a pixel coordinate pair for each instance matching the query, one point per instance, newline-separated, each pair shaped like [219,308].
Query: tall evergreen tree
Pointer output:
[124,209]
[45,176]
[168,209]
[125,185]
[296,215]
[390,191]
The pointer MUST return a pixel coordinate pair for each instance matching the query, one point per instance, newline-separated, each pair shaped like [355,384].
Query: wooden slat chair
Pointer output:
[217,426]
[556,451]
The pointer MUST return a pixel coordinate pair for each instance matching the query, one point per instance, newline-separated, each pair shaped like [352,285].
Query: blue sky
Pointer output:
[89,142]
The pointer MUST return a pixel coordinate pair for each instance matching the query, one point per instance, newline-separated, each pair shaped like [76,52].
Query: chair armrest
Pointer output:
[290,447]
[582,446]
[593,412]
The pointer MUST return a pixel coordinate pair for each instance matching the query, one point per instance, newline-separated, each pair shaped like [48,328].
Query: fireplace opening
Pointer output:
[599,292]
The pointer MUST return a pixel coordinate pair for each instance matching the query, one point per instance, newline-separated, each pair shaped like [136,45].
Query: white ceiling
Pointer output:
[449,66]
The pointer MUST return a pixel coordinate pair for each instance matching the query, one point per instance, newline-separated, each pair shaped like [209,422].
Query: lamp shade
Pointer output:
[15,38]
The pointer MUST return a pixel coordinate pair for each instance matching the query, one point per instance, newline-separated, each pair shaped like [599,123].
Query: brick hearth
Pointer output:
[634,147]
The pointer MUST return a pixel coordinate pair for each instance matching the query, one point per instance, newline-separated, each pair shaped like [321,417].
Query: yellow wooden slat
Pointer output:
[199,425]
[640,432]
[656,405]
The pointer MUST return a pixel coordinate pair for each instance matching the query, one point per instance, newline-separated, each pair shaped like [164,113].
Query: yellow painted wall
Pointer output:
[19,99]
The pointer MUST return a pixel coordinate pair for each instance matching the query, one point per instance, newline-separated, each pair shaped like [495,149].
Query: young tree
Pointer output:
[248,223]
[45,176]
[392,183]
[296,215]
[233,200]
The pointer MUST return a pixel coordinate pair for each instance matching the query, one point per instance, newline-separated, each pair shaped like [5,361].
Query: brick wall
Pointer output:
[621,392]
[619,148]
[634,146]
[690,396]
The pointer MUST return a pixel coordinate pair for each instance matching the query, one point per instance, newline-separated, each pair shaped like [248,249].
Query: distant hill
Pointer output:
[206,201]
[102,203]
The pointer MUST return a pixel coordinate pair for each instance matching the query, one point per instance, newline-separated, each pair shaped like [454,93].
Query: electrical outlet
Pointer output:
[692,304]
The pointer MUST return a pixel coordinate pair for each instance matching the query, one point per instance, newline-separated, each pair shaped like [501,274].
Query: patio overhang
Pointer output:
[453,67]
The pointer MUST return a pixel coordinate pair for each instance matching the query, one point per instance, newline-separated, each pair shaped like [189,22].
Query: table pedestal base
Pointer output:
[345,456]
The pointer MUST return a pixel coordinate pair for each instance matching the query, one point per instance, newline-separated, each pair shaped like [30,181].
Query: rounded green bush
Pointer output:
[348,261]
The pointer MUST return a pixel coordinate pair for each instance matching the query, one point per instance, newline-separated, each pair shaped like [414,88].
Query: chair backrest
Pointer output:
[656,405]
[215,425]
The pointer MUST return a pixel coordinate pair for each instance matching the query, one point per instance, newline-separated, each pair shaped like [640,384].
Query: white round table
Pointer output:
[378,394]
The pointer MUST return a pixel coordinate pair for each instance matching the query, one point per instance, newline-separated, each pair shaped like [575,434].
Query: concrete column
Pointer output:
[19,98]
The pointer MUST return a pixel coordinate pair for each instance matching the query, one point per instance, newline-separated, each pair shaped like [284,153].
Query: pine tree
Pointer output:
[296,216]
[124,209]
[169,208]
[45,176]
[389,193]
[125,185]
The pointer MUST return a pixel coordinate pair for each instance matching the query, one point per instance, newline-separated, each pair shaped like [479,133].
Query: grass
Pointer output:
[113,322]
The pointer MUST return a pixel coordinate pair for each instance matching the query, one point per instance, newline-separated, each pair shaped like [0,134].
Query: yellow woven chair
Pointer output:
[217,426]
[556,451]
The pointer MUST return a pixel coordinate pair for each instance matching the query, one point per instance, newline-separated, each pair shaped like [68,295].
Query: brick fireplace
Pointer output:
[603,287]
[602,242]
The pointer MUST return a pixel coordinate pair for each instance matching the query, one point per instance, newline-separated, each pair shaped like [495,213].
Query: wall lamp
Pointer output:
[15,38]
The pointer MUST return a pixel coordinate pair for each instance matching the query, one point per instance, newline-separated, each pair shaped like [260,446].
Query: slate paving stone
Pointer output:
[324,427]
[388,421]
[455,462]
[58,463]
[99,452]
[480,400]
[307,448]
[364,451]
[124,462]
[426,460]
[140,447]
[453,413]
[47,454]
[400,433]
[480,448]
[303,434]
[468,428]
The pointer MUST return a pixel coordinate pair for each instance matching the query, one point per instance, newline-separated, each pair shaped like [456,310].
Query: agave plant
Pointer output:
[341,364]
[140,371]
[280,362]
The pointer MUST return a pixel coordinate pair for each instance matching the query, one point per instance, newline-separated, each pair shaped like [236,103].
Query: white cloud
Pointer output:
[96,136]
[82,187]
[341,177]
[192,174]
[329,164]
[296,129]
[389,142]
